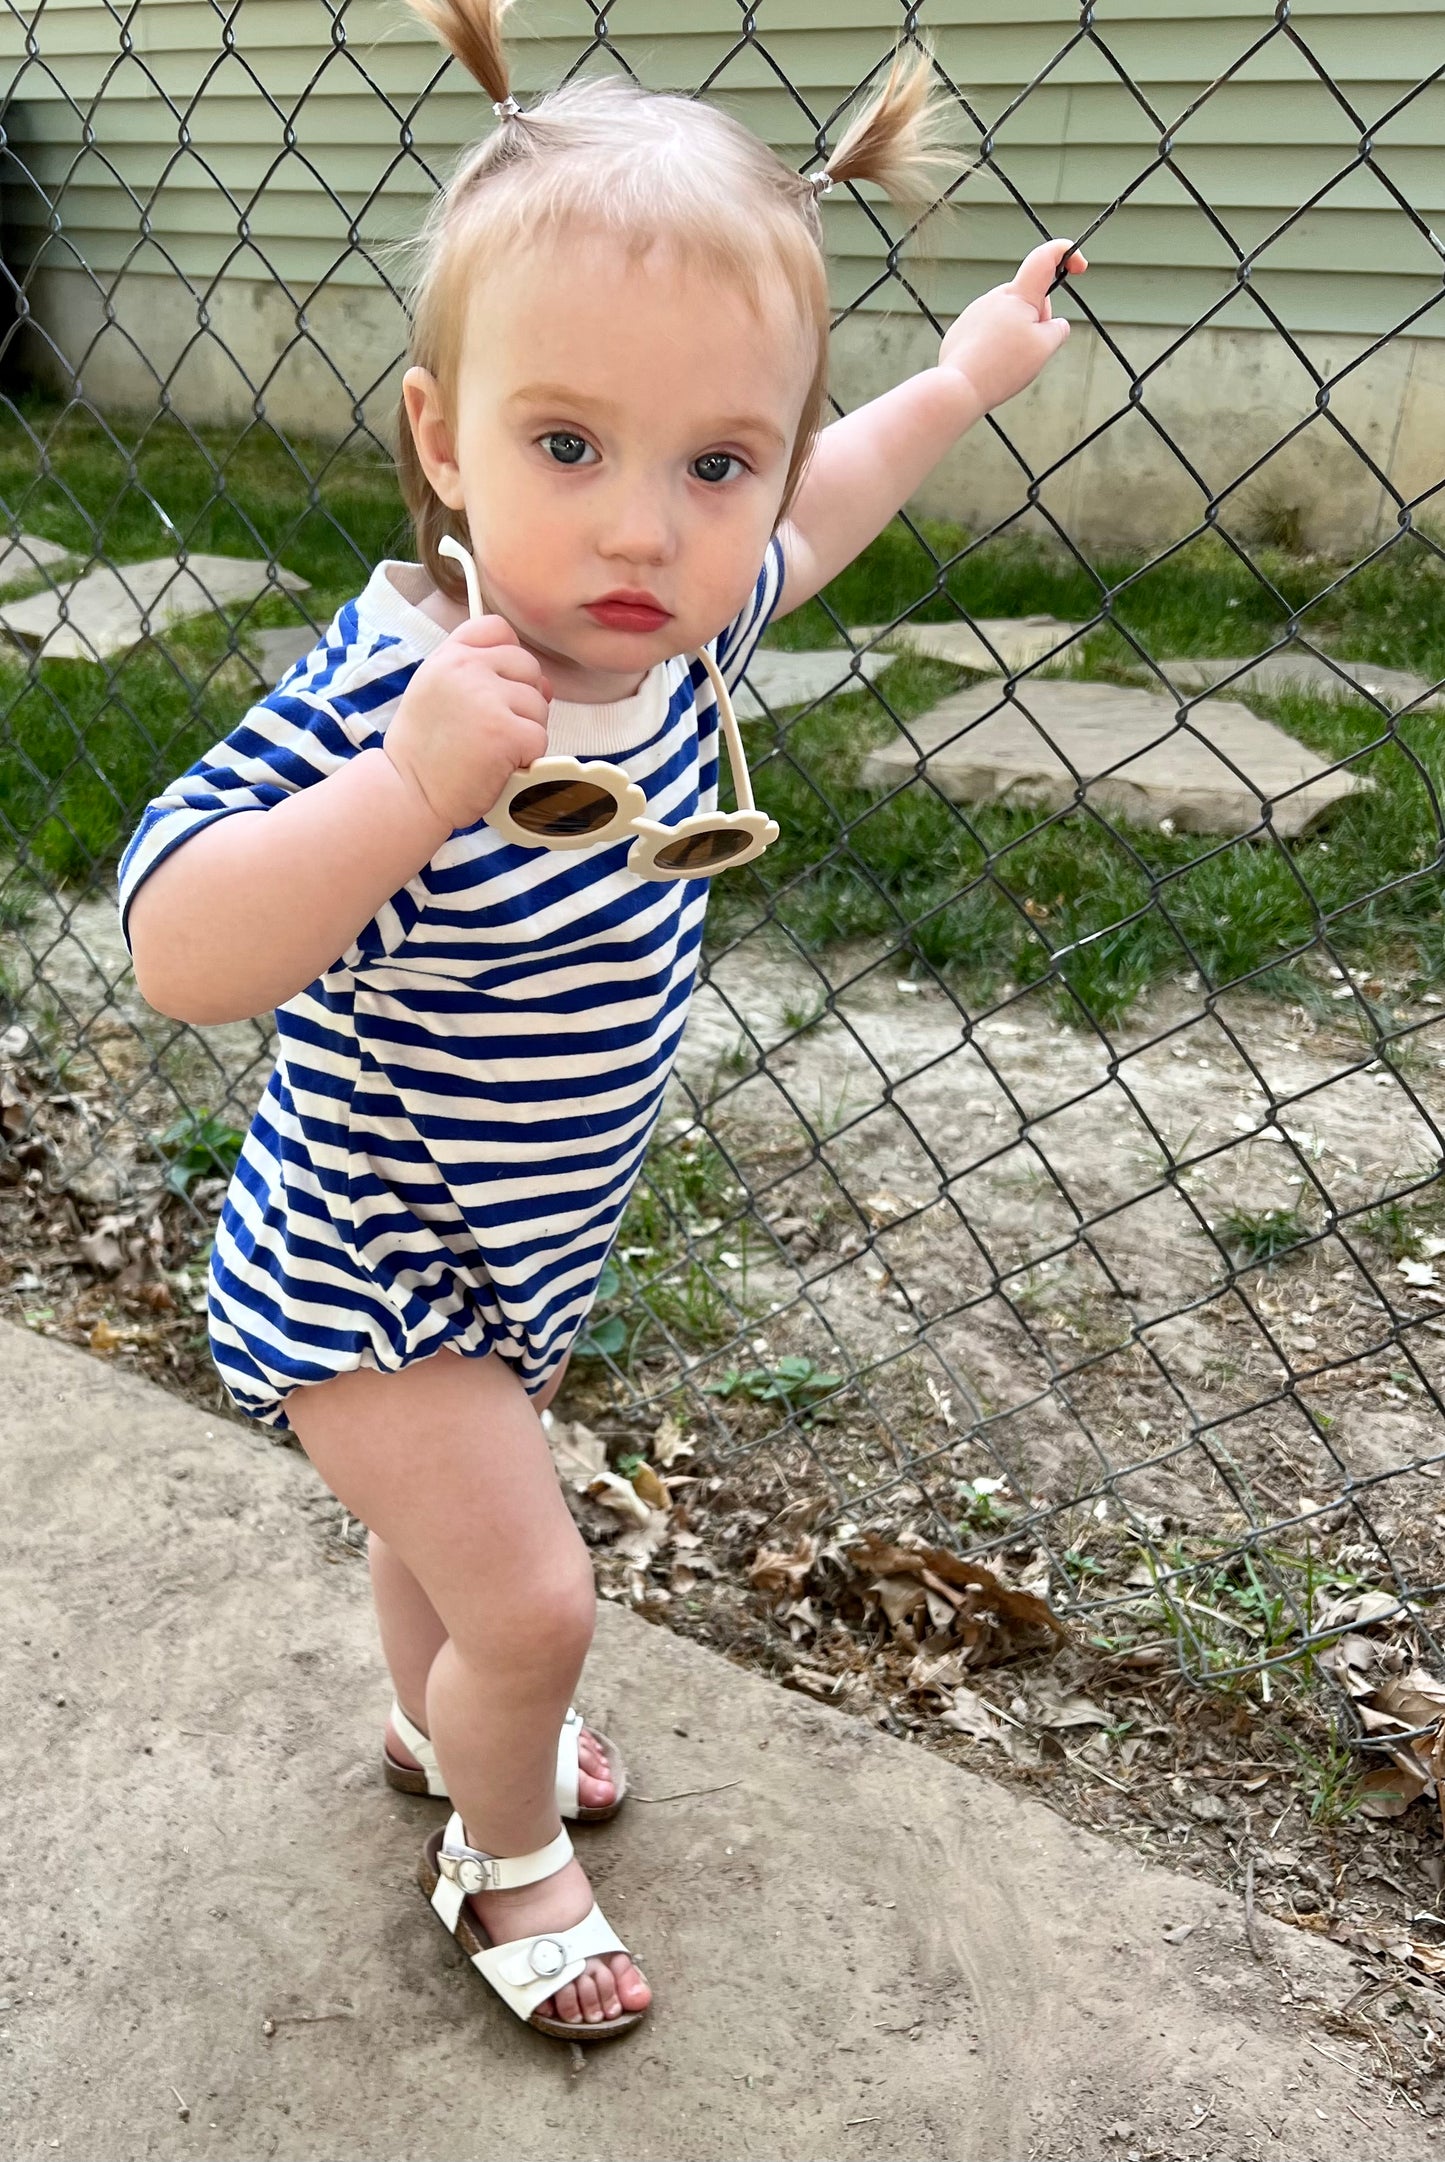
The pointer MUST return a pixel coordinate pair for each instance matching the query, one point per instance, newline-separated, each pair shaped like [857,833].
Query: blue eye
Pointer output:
[715,458]
[573,446]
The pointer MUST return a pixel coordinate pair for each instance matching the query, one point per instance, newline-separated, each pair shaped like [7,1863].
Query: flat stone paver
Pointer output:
[857,1950]
[105,609]
[994,644]
[26,554]
[981,750]
[1290,671]
[276,651]
[796,679]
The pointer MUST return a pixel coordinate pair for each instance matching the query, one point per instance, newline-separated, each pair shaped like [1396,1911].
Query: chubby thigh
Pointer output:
[447,1461]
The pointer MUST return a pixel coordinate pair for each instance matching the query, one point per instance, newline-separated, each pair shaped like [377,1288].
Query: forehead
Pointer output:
[659,332]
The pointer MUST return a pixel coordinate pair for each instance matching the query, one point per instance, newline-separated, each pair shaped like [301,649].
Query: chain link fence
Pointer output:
[1048,1205]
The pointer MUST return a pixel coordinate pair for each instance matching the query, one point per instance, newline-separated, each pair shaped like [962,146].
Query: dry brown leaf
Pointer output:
[1392,1788]
[1051,1708]
[939,1674]
[621,1495]
[972,1714]
[579,1455]
[773,1570]
[900,1598]
[650,1487]
[640,1542]
[668,1443]
[1020,1612]
[814,1681]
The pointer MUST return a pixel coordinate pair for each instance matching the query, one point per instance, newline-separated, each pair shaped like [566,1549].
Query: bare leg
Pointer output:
[472,1509]
[412,1635]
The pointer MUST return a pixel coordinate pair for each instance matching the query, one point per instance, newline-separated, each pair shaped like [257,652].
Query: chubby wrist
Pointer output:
[959,399]
[407,793]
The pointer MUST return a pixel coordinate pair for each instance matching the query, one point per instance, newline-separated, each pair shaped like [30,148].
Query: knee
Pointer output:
[547,1619]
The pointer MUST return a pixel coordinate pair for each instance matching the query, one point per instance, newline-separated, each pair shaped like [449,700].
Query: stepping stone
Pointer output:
[978,750]
[796,679]
[107,609]
[25,554]
[1289,671]
[1015,641]
[272,653]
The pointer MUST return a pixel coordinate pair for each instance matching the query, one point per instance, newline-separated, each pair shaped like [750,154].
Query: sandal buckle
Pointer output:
[474,1872]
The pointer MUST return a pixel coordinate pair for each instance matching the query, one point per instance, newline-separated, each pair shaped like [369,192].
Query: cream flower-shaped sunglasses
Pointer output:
[566,802]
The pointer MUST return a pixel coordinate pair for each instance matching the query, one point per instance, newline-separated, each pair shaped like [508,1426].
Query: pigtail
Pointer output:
[901,140]
[471,30]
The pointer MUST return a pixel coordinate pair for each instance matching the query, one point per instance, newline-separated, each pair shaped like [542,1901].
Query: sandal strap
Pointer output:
[528,1970]
[462,1869]
[568,1790]
[420,1746]
[568,1765]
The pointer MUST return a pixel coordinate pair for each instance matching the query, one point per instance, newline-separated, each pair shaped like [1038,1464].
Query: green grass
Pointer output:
[83,748]
[1095,913]
[1098,913]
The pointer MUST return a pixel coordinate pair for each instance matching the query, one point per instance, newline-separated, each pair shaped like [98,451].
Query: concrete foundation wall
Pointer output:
[1106,470]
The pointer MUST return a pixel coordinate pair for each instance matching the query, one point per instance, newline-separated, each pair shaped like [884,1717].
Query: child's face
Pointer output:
[618,427]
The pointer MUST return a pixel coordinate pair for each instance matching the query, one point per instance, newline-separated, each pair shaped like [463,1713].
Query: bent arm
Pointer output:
[257,904]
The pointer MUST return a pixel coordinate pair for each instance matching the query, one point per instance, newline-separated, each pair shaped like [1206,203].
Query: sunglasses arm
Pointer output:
[742,781]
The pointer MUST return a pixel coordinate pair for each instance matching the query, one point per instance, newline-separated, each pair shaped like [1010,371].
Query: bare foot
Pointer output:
[608,1986]
[594,1780]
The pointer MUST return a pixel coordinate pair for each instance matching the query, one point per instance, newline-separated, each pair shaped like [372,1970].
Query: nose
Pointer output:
[640,528]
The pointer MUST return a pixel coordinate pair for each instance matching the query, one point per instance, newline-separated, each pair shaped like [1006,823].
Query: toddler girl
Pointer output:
[610,428]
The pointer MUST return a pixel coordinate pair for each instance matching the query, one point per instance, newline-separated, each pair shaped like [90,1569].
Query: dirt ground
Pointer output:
[1060,1392]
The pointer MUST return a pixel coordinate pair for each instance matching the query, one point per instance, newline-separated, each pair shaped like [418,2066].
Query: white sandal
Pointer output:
[429,1780]
[525,1971]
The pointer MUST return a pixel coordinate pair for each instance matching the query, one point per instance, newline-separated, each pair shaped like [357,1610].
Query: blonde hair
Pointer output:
[603,153]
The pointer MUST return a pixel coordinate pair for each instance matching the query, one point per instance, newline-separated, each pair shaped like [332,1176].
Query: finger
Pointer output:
[484,631]
[1040,268]
[530,708]
[528,745]
[513,662]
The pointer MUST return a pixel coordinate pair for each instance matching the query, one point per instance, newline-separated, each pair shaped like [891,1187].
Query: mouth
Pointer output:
[628,612]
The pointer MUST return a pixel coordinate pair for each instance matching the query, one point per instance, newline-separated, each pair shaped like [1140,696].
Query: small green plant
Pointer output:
[604,1338]
[796,1383]
[1261,1235]
[1329,1778]
[200,1146]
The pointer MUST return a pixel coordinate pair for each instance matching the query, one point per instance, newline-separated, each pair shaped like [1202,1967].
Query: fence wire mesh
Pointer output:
[1043,1189]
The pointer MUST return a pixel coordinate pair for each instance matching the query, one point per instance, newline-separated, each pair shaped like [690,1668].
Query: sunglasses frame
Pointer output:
[651,838]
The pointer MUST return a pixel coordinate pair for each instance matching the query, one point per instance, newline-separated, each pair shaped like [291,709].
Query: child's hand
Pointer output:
[475,711]
[1002,339]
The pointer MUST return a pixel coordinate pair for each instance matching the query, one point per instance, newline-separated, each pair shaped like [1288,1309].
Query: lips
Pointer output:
[618,614]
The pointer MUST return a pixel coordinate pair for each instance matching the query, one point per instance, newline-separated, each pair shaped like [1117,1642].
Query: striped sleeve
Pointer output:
[321,714]
[737,641]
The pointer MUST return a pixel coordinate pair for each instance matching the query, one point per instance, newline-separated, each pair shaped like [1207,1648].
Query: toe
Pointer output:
[594,1784]
[632,1989]
[588,1995]
[564,2005]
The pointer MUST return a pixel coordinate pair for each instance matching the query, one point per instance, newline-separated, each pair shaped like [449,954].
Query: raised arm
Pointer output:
[866,466]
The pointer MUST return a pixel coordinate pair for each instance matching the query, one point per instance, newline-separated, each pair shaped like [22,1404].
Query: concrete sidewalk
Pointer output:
[856,1950]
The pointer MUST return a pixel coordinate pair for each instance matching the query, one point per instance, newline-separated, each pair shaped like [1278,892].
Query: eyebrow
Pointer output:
[560,394]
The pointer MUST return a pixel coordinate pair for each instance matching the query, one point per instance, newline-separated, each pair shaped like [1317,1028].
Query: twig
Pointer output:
[1077,1757]
[1250,1936]
[862,2120]
[683,1792]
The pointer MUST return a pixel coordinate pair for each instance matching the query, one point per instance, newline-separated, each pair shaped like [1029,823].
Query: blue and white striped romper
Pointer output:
[460,1104]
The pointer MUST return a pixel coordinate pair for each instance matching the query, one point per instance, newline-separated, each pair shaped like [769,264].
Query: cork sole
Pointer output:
[472,1937]
[409,1779]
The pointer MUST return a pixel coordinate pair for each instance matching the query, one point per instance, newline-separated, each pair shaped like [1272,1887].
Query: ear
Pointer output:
[432,435]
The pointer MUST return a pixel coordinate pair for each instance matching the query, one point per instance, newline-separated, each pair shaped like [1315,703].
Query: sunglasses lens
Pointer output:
[563,807]
[703,851]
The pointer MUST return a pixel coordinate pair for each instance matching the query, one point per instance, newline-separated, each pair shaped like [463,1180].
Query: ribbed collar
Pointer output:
[587,731]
